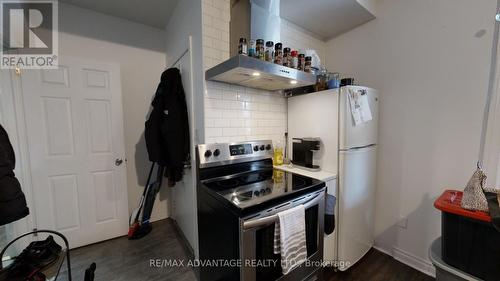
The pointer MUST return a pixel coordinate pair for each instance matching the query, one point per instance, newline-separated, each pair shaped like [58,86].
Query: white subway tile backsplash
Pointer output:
[213,53]
[237,105]
[213,132]
[222,5]
[230,114]
[226,16]
[225,37]
[211,113]
[251,123]
[207,20]
[244,97]
[244,131]
[229,95]
[230,132]
[209,123]
[252,106]
[264,106]
[210,10]
[237,123]
[214,104]
[220,24]
[211,94]
[221,122]
[212,33]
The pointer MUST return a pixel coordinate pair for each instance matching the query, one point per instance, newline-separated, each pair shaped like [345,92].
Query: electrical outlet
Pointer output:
[403,222]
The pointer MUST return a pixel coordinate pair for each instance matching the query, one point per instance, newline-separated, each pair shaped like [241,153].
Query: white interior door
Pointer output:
[357,175]
[184,210]
[76,149]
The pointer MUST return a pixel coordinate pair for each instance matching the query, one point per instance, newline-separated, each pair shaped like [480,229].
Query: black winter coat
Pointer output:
[12,201]
[167,129]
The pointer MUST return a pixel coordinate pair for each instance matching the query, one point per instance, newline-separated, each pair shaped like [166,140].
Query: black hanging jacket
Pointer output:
[12,201]
[167,129]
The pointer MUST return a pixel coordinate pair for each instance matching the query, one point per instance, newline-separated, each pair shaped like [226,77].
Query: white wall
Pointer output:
[140,52]
[234,113]
[430,60]
[186,22]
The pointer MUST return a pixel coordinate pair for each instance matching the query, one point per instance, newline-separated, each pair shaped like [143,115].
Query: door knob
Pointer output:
[118,162]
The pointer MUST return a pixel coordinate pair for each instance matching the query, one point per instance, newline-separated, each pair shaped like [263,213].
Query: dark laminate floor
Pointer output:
[121,259]
[377,266]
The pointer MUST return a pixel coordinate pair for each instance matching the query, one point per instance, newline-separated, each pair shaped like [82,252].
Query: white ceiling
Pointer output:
[326,18]
[154,13]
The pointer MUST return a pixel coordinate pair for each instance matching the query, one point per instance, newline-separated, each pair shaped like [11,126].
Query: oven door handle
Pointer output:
[272,218]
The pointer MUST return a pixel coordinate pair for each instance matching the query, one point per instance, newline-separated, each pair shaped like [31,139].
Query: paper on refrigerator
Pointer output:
[360,108]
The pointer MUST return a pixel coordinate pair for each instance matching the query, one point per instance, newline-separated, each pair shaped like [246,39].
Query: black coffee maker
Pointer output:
[303,149]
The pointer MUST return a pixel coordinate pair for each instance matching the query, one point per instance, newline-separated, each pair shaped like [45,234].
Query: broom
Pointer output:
[474,197]
[134,217]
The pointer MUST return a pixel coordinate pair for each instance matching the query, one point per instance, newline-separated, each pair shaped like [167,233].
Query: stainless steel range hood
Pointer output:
[256,19]
[254,73]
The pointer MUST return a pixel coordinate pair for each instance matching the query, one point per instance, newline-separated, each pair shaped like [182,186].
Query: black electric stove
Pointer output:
[242,176]
[239,196]
[256,188]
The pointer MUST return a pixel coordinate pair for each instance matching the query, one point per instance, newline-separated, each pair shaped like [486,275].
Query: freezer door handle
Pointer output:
[358,147]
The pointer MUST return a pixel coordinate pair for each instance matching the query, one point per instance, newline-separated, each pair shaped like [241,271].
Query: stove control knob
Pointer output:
[268,190]
[256,193]
[208,153]
[268,147]
[262,147]
[216,152]
[262,191]
[256,148]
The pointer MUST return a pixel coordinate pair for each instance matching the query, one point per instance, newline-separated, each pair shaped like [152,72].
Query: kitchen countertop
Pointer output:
[320,175]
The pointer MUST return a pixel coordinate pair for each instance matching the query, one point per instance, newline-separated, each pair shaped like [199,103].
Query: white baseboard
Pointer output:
[411,260]
[383,250]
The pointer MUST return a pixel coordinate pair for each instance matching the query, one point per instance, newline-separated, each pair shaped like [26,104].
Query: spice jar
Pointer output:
[278,53]
[307,64]
[251,49]
[259,49]
[269,51]
[294,59]
[242,47]
[302,62]
[286,56]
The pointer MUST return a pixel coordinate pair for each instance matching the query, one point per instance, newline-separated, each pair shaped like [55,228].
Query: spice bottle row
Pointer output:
[275,53]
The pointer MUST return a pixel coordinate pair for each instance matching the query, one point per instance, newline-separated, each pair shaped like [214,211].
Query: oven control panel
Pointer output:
[218,154]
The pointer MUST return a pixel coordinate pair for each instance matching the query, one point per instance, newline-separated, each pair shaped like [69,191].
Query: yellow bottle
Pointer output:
[278,154]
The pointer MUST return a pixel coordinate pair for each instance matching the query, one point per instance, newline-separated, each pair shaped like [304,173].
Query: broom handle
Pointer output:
[491,90]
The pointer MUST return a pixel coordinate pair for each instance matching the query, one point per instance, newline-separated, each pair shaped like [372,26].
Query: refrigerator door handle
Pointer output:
[358,147]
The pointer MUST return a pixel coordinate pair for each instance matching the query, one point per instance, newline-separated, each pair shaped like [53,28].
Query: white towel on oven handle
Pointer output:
[290,238]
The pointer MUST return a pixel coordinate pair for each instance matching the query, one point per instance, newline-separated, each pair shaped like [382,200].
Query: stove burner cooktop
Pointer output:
[252,188]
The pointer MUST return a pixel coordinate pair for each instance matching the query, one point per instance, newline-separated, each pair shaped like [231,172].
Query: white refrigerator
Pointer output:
[349,149]
[356,175]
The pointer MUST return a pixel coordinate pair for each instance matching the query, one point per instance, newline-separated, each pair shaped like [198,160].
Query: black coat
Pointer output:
[167,129]
[12,201]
